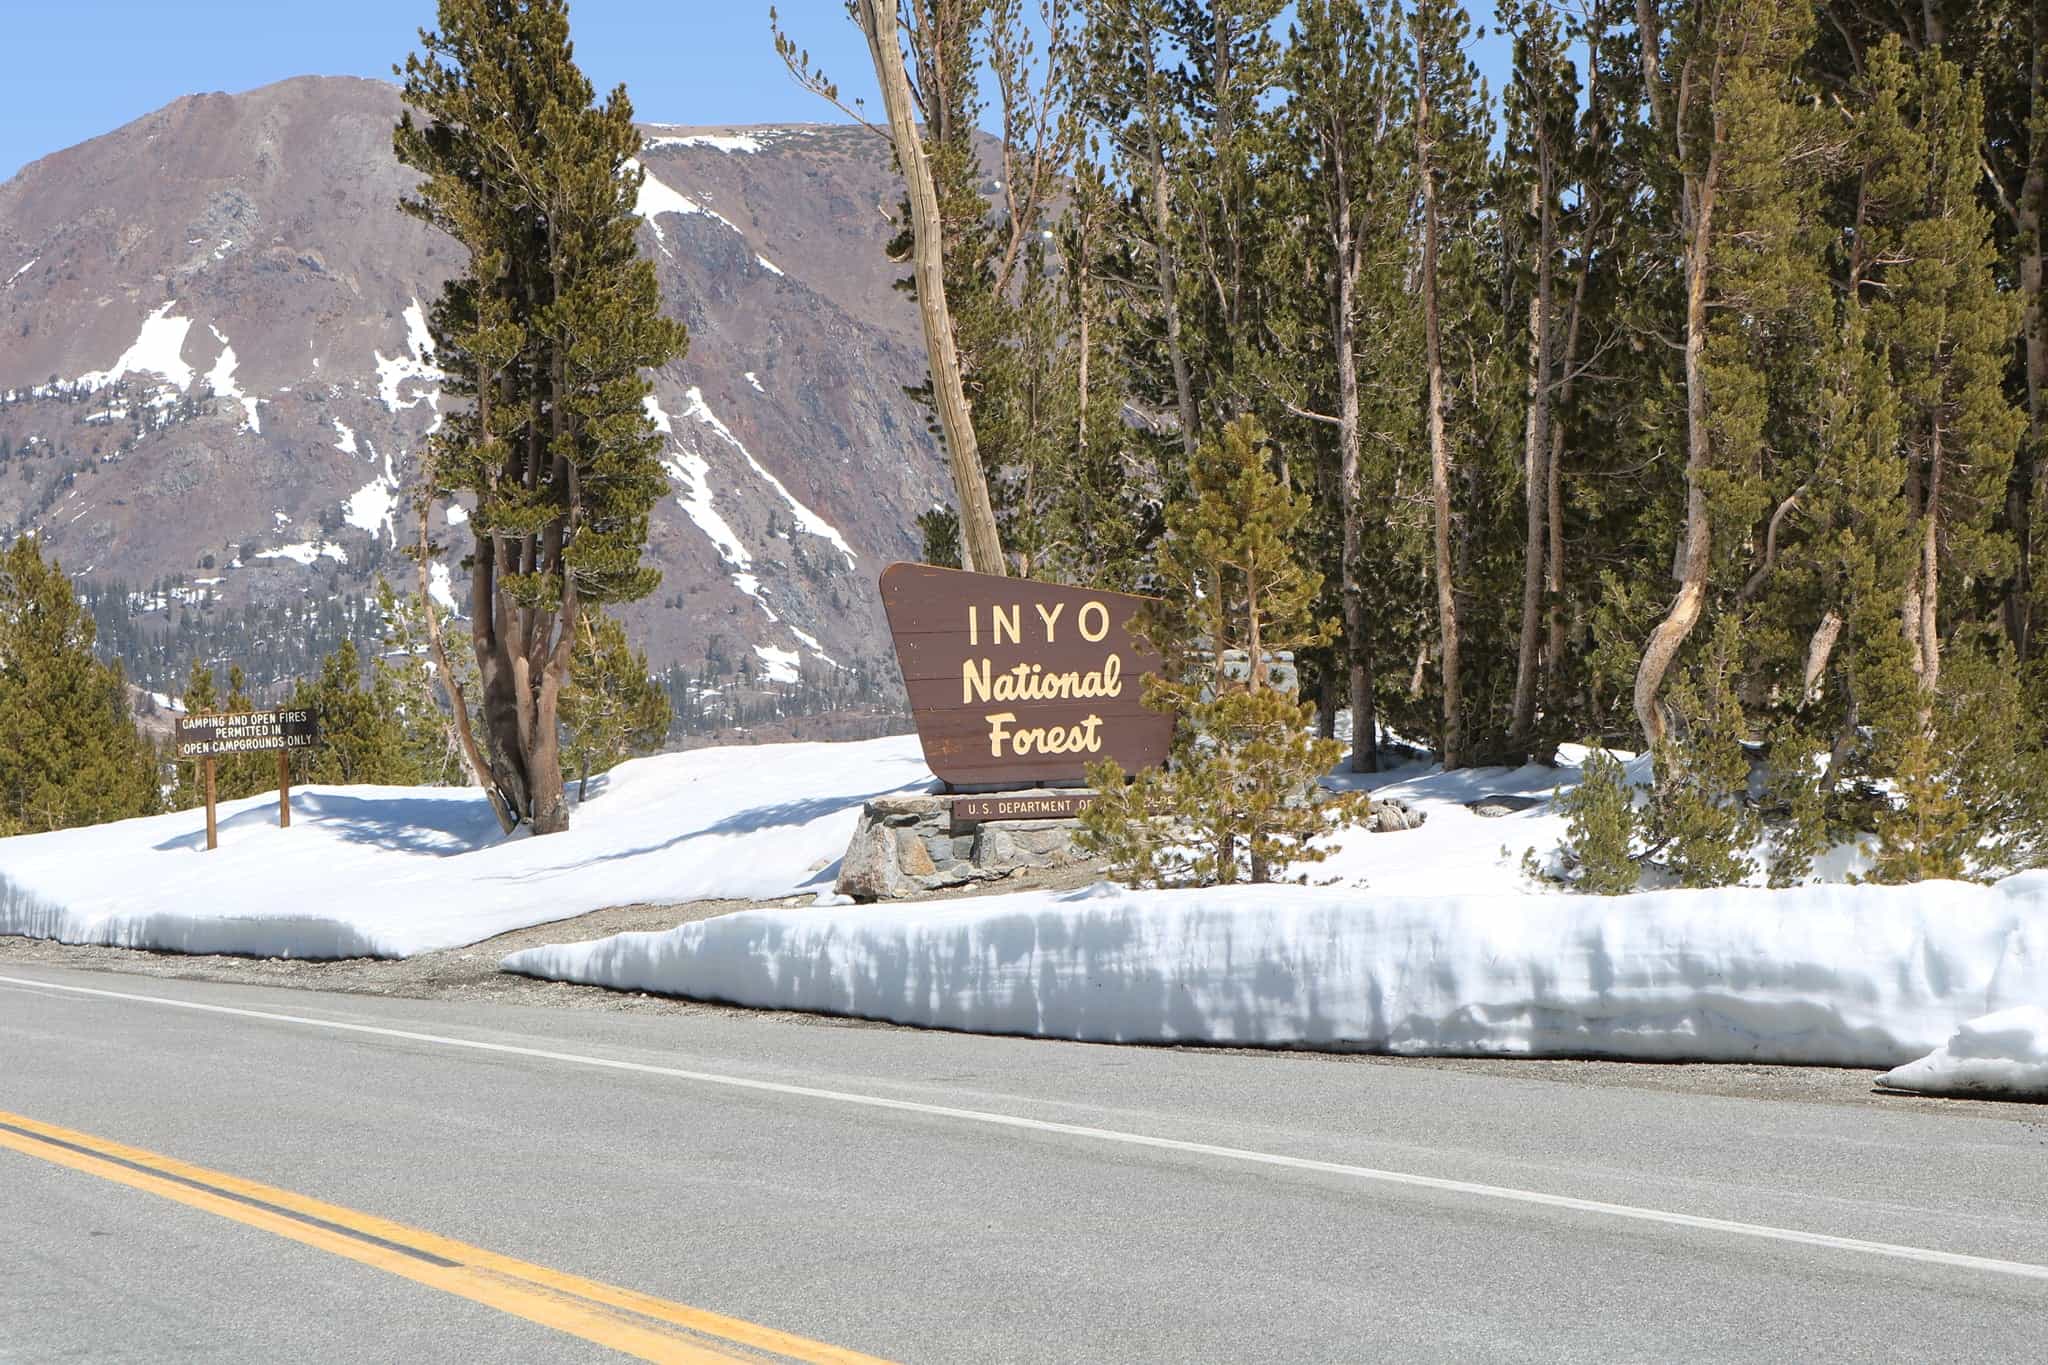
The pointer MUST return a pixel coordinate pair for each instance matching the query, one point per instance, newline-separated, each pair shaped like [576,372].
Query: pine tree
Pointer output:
[72,754]
[546,334]
[613,709]
[1242,798]
[362,733]
[1600,828]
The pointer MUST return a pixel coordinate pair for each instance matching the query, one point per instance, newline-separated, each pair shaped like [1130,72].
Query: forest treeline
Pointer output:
[1684,395]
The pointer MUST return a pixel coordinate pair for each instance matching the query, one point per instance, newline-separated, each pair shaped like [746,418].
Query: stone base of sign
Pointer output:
[908,844]
[905,845]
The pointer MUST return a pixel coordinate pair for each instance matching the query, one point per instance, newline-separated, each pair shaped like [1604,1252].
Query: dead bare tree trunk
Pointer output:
[980,546]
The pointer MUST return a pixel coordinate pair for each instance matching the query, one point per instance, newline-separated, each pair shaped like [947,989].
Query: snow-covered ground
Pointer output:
[1429,940]
[2000,1056]
[393,871]
[1849,976]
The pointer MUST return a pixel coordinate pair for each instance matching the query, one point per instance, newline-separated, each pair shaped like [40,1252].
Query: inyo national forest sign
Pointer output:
[1014,683]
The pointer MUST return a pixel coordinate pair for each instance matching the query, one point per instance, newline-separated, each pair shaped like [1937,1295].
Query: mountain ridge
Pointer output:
[214,365]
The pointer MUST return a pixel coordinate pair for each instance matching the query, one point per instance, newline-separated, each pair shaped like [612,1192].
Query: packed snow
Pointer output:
[1844,976]
[158,350]
[1999,1056]
[394,871]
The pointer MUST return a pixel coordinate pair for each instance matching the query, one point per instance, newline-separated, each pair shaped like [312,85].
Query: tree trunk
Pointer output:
[1536,456]
[1165,269]
[1697,556]
[2028,226]
[1439,452]
[980,547]
[1364,728]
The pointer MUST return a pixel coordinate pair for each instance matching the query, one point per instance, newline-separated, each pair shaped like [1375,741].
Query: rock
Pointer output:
[870,872]
[912,857]
[1493,807]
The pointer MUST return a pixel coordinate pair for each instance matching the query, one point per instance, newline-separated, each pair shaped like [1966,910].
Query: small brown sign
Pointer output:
[207,738]
[1017,682]
[247,732]
[970,811]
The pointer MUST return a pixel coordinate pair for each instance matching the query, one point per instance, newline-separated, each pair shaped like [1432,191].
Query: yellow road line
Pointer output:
[621,1319]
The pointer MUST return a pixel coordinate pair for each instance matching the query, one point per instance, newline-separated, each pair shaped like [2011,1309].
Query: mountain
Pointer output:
[214,376]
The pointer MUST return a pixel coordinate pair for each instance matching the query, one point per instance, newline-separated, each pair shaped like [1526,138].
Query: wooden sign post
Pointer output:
[1019,684]
[205,738]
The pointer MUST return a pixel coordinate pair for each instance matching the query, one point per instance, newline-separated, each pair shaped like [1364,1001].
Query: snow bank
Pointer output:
[2002,1055]
[393,871]
[1848,976]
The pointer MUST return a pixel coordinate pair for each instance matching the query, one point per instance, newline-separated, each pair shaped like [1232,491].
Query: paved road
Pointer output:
[931,1197]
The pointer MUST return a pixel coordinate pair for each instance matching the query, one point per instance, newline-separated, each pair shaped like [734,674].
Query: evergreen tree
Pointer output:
[546,334]
[613,708]
[1242,798]
[72,754]
[362,733]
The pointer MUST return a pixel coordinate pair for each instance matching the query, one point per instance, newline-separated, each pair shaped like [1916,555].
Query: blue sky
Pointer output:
[79,68]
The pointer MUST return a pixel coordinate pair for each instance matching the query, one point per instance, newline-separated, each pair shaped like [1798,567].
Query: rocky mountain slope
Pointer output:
[214,370]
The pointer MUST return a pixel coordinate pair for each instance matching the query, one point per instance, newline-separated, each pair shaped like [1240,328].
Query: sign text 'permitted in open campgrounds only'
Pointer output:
[207,738]
[248,732]
[1017,683]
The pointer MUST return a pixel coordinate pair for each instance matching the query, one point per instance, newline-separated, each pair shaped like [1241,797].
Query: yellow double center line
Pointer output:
[621,1319]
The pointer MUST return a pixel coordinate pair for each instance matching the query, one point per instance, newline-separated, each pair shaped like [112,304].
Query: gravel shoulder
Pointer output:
[471,974]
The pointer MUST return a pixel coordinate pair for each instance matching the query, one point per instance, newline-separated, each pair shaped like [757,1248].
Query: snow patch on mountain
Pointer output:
[441,587]
[806,519]
[782,665]
[693,473]
[769,265]
[346,438]
[370,508]
[657,197]
[221,379]
[305,552]
[158,350]
[394,373]
[810,642]
[22,271]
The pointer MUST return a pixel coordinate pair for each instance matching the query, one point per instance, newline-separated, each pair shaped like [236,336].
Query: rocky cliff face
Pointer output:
[214,369]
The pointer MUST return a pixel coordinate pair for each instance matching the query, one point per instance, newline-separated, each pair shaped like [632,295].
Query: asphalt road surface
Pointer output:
[193,1170]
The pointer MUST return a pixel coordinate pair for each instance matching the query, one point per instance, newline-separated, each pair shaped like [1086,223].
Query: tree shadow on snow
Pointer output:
[436,826]
[781,815]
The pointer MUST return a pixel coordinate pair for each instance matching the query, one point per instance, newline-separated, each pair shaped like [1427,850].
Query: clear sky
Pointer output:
[79,68]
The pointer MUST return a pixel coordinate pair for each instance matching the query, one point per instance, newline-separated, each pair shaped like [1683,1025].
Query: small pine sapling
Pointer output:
[1242,798]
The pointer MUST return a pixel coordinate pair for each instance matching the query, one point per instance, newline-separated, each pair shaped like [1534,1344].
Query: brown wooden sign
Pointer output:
[247,732]
[1013,682]
[207,738]
[970,811]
